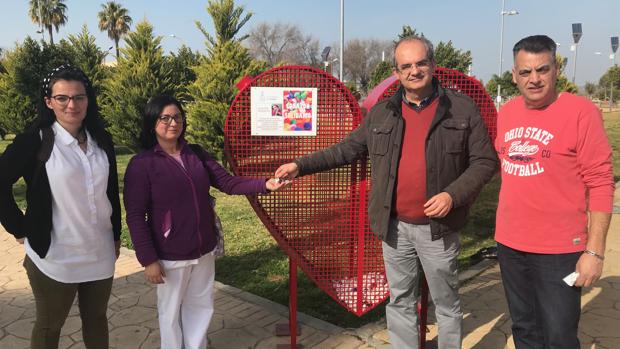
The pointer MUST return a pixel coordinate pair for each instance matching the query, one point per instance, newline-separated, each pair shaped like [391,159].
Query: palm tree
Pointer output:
[49,14]
[115,19]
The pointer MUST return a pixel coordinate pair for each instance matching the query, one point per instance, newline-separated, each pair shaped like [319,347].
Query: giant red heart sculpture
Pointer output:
[321,221]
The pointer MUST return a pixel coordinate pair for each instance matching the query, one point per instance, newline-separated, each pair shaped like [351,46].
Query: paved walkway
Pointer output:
[244,321]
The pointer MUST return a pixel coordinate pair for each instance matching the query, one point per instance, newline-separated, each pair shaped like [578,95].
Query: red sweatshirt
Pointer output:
[553,161]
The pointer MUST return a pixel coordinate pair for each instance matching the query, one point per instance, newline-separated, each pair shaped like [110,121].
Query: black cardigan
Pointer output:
[20,160]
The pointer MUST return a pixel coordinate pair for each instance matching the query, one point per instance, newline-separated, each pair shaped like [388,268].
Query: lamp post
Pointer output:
[577,32]
[501,49]
[174,36]
[612,57]
[341,39]
[106,53]
[40,31]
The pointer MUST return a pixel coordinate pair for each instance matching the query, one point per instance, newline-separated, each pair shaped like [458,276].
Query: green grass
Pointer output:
[612,126]
[254,263]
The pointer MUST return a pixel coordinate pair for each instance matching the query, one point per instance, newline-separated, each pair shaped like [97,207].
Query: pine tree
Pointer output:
[88,57]
[407,31]
[216,76]
[447,56]
[563,84]
[509,88]
[184,63]
[20,83]
[141,73]
[214,90]
[382,71]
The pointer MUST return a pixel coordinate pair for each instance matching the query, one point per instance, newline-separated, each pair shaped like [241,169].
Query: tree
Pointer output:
[308,51]
[408,31]
[447,56]
[49,14]
[563,84]
[360,59]
[227,20]
[590,89]
[216,77]
[20,84]
[141,73]
[214,90]
[382,71]
[88,57]
[184,63]
[283,43]
[610,79]
[115,19]
[509,88]
[611,76]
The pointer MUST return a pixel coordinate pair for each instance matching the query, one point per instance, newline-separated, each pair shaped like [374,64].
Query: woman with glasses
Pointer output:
[172,222]
[72,223]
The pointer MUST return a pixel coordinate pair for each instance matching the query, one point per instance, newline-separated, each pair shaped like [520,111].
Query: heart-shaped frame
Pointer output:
[321,221]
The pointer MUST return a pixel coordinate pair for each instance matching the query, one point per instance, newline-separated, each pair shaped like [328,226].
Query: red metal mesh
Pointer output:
[452,79]
[320,221]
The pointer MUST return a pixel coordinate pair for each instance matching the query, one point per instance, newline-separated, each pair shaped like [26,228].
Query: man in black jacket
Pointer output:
[431,155]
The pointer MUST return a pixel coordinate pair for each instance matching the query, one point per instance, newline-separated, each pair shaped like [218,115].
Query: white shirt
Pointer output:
[82,243]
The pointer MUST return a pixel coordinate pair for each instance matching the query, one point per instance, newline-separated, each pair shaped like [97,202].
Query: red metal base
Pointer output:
[285,330]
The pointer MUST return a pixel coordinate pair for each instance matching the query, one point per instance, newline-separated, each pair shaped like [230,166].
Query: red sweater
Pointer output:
[553,161]
[410,193]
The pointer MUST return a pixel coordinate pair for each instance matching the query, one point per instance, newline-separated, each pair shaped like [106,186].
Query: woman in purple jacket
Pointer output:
[171,220]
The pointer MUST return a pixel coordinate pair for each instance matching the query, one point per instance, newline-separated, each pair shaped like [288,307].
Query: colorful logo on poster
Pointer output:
[297,110]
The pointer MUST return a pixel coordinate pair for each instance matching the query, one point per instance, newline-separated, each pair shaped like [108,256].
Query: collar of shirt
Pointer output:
[158,148]
[424,103]
[64,137]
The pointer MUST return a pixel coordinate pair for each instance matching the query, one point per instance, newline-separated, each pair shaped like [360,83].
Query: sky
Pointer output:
[470,24]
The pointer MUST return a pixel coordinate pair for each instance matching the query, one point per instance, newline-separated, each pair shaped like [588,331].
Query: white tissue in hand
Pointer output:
[571,278]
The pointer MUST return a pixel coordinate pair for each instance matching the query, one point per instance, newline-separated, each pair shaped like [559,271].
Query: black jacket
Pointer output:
[460,158]
[20,160]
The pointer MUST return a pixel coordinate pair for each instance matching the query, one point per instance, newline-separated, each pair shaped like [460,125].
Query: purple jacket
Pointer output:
[169,213]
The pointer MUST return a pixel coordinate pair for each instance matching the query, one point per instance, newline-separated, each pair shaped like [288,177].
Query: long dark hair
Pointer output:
[92,122]
[152,111]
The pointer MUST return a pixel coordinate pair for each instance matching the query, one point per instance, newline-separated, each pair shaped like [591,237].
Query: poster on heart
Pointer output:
[283,111]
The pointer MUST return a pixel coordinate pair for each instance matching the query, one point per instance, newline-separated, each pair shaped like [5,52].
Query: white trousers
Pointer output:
[185,304]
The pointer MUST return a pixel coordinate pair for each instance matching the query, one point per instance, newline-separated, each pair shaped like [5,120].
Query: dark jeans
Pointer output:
[544,310]
[53,301]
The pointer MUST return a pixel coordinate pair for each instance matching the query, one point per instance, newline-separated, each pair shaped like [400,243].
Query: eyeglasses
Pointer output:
[167,119]
[423,65]
[64,100]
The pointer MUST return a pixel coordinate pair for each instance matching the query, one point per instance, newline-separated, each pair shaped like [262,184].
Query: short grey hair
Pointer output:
[430,52]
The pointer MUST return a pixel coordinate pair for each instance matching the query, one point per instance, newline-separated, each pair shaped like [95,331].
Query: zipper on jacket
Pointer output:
[195,199]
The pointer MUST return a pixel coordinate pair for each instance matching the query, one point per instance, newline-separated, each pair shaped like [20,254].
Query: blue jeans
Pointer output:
[544,310]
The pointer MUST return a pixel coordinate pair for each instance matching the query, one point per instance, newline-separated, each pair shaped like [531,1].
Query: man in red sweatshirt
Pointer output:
[556,172]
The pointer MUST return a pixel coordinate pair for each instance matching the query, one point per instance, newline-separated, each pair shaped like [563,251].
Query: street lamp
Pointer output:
[501,49]
[325,59]
[612,57]
[341,39]
[174,36]
[106,53]
[577,32]
[40,31]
